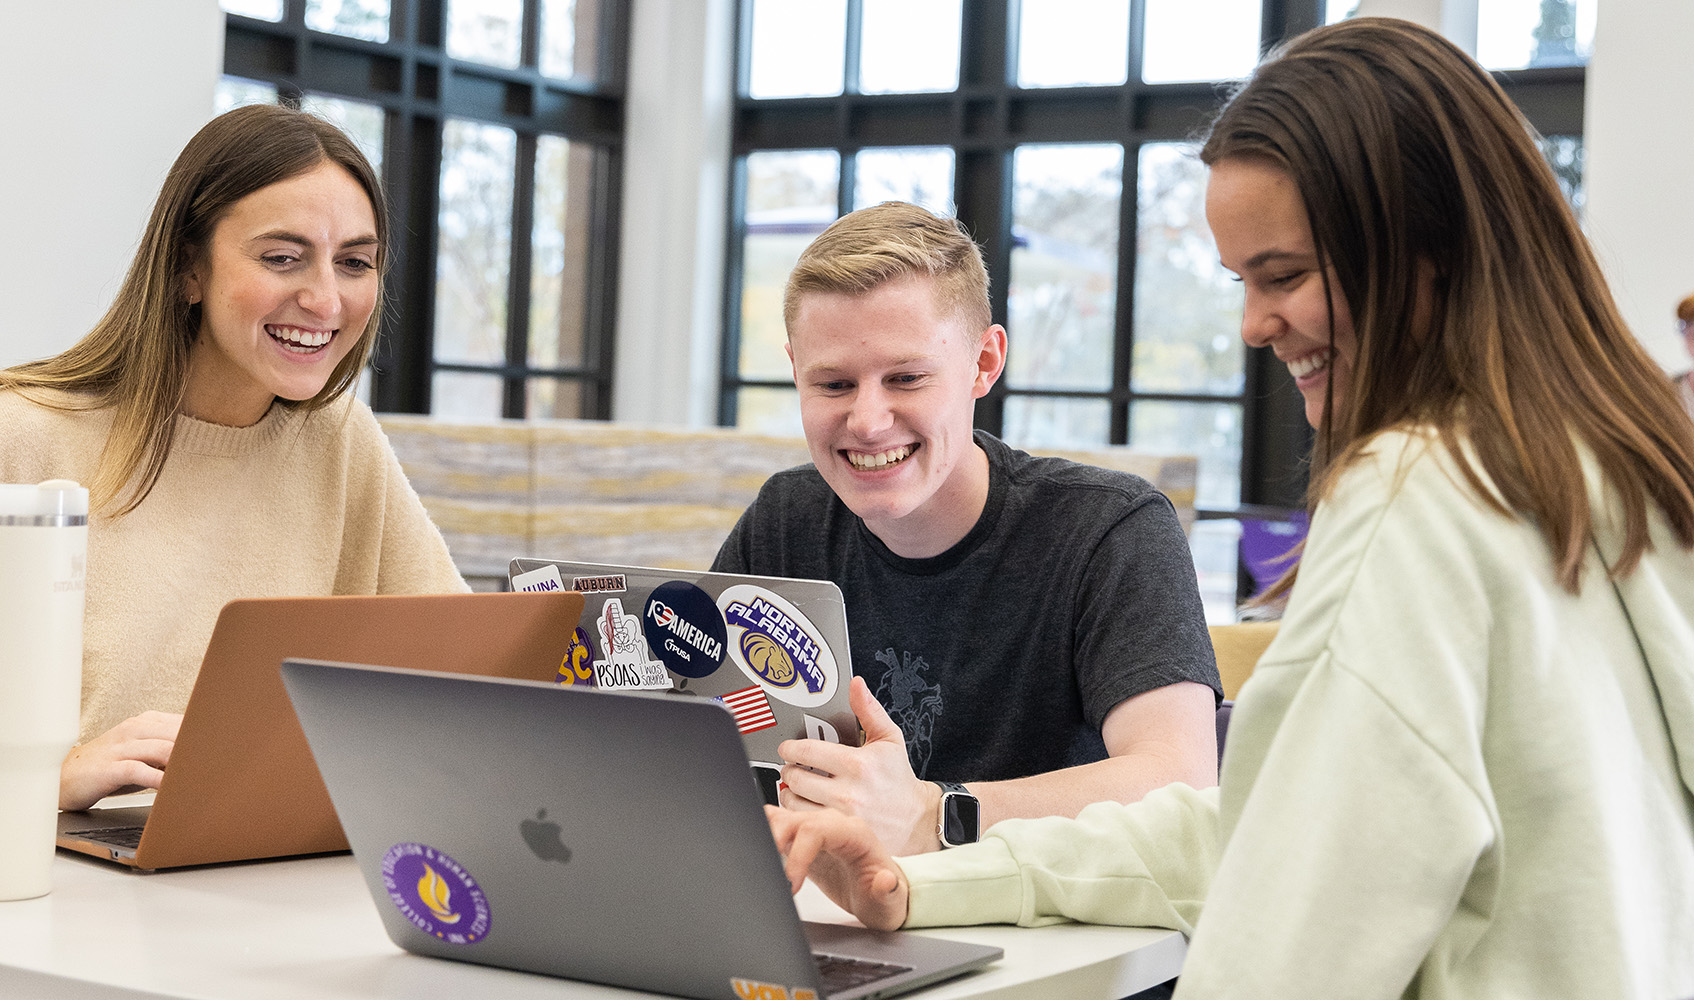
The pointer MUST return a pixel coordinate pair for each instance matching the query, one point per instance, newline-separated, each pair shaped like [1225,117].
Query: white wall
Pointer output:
[100,96]
[676,189]
[1639,136]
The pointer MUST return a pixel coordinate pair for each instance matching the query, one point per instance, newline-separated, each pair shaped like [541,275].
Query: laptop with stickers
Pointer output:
[241,784]
[773,650]
[530,831]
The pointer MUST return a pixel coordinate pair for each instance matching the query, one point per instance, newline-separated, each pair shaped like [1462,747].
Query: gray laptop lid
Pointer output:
[773,649]
[615,838]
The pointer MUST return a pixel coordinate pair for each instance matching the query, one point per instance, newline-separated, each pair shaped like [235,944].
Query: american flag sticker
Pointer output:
[752,710]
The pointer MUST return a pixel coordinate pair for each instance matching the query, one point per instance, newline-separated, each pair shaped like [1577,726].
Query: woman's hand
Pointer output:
[128,757]
[845,859]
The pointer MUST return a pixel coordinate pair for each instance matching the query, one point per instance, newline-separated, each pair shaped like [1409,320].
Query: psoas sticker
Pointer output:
[777,647]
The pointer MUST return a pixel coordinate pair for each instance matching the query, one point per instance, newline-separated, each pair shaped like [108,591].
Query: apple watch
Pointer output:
[961,815]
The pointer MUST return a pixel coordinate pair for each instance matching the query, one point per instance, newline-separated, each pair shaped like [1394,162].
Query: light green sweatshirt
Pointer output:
[1447,777]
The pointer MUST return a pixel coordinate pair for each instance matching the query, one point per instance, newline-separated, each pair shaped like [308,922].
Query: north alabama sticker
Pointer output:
[777,647]
[578,665]
[752,989]
[435,893]
[623,664]
[684,628]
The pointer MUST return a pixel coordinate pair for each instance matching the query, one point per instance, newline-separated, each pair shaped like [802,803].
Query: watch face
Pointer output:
[961,819]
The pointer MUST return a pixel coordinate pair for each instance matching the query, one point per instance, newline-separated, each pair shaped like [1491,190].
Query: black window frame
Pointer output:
[984,121]
[419,86]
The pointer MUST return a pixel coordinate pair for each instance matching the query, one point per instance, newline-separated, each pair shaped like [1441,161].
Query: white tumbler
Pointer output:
[43,555]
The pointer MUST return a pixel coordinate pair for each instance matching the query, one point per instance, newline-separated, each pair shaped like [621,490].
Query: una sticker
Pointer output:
[623,664]
[752,989]
[578,665]
[539,581]
[435,893]
[777,647]
[684,628]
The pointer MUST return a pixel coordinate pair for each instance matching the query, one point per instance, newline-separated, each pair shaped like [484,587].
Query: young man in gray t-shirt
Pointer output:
[1032,624]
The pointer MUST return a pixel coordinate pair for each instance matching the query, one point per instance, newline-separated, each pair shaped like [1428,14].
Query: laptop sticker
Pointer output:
[684,628]
[625,666]
[539,581]
[752,989]
[818,729]
[435,893]
[778,647]
[578,665]
[752,710]
[611,584]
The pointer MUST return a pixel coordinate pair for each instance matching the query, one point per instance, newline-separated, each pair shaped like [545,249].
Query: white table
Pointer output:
[307,928]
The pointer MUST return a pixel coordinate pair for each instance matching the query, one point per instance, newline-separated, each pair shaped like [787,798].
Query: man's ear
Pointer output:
[990,360]
[788,349]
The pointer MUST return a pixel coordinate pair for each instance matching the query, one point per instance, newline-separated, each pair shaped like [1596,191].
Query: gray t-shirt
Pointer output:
[1002,656]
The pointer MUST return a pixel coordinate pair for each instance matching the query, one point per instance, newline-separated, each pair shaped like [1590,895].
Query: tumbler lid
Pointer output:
[55,498]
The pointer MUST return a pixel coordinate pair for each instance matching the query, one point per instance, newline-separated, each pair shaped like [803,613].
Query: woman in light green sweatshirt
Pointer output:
[1465,767]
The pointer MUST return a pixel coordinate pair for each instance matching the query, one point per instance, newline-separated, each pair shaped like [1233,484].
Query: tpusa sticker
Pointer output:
[752,989]
[578,665]
[545,580]
[684,628]
[623,663]
[776,646]
[435,893]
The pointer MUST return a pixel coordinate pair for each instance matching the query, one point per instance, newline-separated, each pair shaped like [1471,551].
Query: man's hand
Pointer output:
[846,860]
[130,756]
[874,782]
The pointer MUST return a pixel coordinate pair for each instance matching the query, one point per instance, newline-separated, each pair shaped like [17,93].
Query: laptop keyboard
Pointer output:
[839,973]
[117,836]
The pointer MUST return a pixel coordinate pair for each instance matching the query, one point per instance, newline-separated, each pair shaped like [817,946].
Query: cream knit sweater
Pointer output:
[296,505]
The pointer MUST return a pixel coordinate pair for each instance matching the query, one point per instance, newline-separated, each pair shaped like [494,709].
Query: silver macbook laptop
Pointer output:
[773,650]
[614,838]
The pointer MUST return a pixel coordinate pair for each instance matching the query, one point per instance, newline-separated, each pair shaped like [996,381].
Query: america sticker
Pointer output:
[777,647]
[435,893]
[684,628]
[624,664]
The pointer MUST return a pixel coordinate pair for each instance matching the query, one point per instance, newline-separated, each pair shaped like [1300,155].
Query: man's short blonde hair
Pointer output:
[1685,310]
[868,248]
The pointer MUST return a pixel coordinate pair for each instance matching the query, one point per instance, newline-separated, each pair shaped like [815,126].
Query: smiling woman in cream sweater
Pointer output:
[209,410]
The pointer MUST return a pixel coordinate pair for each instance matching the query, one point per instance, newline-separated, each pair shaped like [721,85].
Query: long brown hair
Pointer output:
[135,360]
[1416,170]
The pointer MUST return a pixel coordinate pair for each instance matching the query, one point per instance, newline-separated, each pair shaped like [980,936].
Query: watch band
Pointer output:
[960,819]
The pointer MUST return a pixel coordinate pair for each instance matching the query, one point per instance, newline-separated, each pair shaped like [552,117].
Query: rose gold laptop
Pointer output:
[241,784]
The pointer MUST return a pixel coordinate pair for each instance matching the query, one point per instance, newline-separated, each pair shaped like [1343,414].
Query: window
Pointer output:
[1067,154]
[497,127]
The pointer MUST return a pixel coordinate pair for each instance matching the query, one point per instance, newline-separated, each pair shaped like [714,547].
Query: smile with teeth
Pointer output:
[881,459]
[1310,364]
[300,341]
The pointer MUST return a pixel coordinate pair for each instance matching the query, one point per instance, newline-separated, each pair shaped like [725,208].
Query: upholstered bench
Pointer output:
[615,492]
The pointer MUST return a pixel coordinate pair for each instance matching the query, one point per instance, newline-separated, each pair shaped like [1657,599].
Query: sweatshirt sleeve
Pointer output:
[1145,864]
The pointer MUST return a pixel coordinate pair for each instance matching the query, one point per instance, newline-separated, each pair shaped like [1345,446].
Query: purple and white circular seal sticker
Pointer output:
[435,893]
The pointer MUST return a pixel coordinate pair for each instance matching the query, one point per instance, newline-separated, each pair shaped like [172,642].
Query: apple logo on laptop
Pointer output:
[542,836]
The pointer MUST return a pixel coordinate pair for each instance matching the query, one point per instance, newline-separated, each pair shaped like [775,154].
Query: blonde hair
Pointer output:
[1411,161]
[1685,310]
[135,360]
[873,246]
